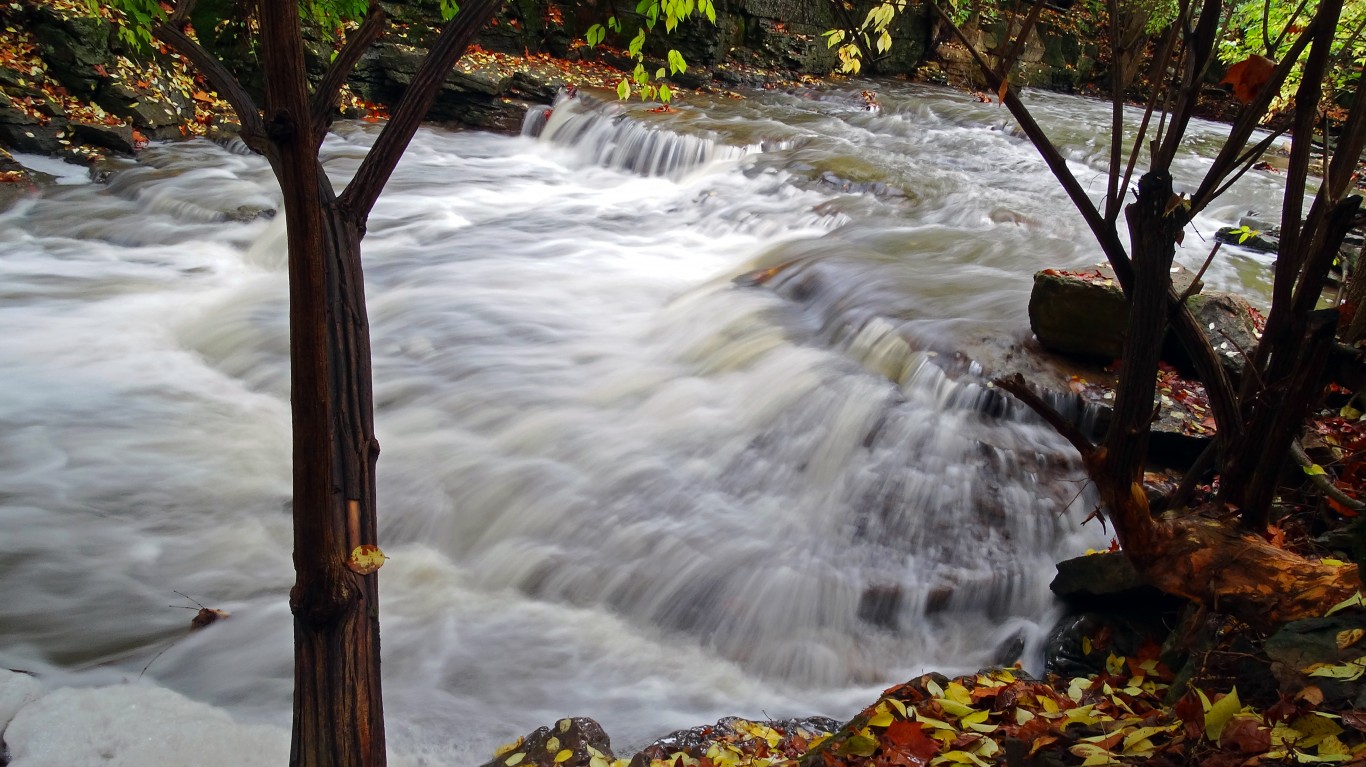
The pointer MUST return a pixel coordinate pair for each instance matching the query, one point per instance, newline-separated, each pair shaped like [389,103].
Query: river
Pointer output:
[619,479]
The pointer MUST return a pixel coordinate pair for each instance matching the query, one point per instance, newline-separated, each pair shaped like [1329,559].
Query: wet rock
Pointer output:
[582,737]
[783,736]
[1334,644]
[880,605]
[1101,580]
[116,137]
[1080,643]
[1252,233]
[1229,326]
[75,47]
[145,108]
[245,213]
[1083,314]
[31,137]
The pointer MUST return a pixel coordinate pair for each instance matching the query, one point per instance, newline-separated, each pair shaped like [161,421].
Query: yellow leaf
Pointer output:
[959,693]
[1354,600]
[552,744]
[898,705]
[1092,754]
[881,719]
[954,708]
[1348,637]
[515,759]
[959,757]
[1349,671]
[565,724]
[1315,727]
[365,559]
[564,756]
[508,748]
[1084,715]
[598,761]
[1086,645]
[1219,713]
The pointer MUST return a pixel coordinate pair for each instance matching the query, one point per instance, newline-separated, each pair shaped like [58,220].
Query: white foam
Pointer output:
[135,726]
[66,173]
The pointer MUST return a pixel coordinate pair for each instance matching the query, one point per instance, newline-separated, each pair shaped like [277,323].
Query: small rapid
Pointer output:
[621,477]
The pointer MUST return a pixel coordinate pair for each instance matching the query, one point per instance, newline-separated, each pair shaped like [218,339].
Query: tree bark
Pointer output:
[338,709]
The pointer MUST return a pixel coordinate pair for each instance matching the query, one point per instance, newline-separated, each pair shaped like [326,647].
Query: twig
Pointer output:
[1321,481]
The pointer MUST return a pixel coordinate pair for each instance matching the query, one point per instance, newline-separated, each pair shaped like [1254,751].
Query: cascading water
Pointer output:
[622,477]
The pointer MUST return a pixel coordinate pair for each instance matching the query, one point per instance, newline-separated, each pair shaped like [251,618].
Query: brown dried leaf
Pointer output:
[1248,76]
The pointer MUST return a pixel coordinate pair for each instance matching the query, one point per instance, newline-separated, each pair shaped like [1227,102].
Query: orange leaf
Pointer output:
[1248,76]
[202,96]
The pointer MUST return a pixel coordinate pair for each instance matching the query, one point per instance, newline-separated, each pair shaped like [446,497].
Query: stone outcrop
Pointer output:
[1084,314]
[576,742]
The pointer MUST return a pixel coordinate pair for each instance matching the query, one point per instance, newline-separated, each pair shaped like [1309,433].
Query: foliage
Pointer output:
[673,13]
[1269,27]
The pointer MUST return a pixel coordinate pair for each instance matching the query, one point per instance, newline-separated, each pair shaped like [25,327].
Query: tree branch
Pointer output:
[1016,385]
[379,163]
[172,33]
[357,43]
[1105,235]
[1201,50]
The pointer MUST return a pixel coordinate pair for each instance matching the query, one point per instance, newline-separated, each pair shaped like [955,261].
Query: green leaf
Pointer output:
[1219,713]
[1314,470]
[613,24]
[665,94]
[637,43]
[623,89]
[676,62]
[595,35]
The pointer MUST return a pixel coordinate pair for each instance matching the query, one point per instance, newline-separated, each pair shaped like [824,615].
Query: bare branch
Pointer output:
[374,172]
[1017,46]
[1245,163]
[1321,481]
[1200,52]
[1103,232]
[1016,385]
[357,43]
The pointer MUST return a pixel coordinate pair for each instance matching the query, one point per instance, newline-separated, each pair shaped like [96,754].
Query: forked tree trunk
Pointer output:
[338,710]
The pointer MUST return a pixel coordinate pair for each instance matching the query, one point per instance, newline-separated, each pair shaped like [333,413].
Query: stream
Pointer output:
[620,478]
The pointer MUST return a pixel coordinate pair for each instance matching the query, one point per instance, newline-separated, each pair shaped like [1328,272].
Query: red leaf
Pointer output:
[1246,735]
[1248,76]
[1192,712]
[909,738]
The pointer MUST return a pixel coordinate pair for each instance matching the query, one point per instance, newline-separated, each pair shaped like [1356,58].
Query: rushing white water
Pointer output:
[615,483]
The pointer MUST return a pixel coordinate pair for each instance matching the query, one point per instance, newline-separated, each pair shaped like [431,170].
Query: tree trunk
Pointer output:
[338,710]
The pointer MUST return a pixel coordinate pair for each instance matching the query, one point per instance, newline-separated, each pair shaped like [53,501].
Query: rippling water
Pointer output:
[616,481]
